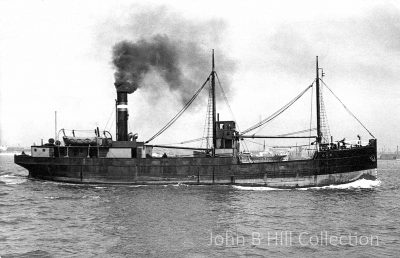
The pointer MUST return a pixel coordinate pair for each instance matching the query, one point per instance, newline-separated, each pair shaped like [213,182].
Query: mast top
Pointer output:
[213,64]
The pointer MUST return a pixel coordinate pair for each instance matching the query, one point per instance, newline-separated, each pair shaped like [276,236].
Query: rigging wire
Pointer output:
[207,120]
[348,110]
[245,146]
[289,146]
[311,116]
[109,117]
[277,113]
[255,142]
[230,109]
[184,142]
[226,100]
[292,133]
[76,130]
[179,113]
[288,134]
[204,128]
[112,124]
[297,132]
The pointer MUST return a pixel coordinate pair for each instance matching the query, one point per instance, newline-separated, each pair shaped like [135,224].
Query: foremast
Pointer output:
[214,130]
[319,134]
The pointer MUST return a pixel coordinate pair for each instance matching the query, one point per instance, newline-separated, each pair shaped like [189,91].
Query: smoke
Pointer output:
[134,60]
[176,49]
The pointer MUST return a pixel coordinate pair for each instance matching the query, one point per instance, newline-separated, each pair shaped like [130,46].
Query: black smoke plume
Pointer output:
[178,50]
[133,60]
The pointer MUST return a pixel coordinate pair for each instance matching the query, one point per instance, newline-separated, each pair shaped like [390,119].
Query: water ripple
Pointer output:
[47,219]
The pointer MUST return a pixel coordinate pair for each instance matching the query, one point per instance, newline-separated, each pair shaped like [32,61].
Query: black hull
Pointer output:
[326,168]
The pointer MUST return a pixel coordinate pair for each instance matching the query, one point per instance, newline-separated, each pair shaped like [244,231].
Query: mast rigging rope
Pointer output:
[277,113]
[297,132]
[184,142]
[179,113]
[230,109]
[311,114]
[226,99]
[348,110]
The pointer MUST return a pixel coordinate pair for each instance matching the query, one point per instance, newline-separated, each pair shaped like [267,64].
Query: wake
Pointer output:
[359,184]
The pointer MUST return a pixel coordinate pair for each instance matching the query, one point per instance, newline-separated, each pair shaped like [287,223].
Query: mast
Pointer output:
[55,126]
[213,105]
[318,105]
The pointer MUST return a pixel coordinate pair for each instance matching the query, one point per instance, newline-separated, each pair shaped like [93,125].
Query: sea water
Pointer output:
[48,219]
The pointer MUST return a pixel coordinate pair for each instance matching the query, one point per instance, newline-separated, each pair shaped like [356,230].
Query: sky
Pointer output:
[57,56]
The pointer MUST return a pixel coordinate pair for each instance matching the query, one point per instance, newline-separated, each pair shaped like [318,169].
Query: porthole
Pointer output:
[43,150]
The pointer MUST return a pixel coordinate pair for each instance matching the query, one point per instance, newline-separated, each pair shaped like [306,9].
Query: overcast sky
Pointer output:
[57,55]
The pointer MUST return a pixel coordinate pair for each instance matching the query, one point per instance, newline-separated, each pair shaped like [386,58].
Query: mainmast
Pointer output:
[213,105]
[319,135]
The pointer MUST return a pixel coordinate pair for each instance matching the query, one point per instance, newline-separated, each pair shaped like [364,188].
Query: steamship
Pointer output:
[125,160]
